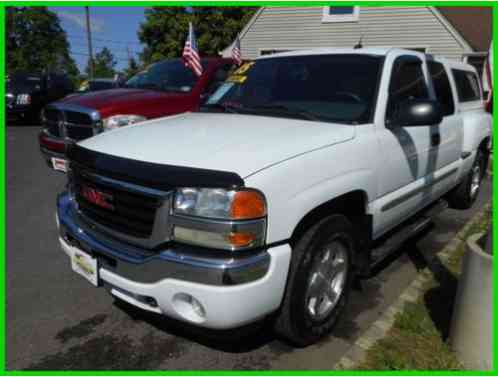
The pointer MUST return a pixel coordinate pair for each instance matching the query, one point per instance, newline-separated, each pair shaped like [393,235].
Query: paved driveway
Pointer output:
[56,320]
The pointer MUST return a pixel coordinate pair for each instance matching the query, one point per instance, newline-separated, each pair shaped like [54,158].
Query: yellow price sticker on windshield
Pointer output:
[240,75]
[243,68]
[237,79]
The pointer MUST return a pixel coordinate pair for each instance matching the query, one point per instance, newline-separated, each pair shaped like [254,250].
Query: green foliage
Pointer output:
[413,343]
[36,42]
[165,29]
[132,68]
[417,340]
[104,64]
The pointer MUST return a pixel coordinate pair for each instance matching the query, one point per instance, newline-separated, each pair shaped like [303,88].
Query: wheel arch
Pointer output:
[353,205]
[484,148]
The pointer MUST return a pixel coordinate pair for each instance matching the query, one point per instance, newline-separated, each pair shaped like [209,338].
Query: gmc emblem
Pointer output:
[96,197]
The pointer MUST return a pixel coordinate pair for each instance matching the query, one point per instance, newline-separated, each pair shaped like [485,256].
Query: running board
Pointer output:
[406,231]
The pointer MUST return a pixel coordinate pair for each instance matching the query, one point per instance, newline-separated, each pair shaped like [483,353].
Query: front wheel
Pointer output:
[465,194]
[319,281]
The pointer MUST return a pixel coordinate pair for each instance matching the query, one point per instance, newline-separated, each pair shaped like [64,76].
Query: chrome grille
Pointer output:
[77,132]
[74,117]
[138,215]
[71,122]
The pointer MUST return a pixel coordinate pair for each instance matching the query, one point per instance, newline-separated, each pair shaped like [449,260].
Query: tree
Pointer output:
[36,42]
[132,68]
[165,28]
[103,64]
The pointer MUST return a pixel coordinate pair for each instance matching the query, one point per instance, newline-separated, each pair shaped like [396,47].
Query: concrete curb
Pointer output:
[383,324]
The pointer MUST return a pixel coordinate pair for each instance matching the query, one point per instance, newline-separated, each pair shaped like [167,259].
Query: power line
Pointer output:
[104,40]
[78,44]
[87,54]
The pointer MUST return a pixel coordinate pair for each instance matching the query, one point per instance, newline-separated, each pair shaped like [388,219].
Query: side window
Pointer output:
[219,76]
[442,87]
[407,82]
[467,85]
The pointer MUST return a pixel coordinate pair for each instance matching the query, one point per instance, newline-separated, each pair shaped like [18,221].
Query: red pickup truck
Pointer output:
[164,88]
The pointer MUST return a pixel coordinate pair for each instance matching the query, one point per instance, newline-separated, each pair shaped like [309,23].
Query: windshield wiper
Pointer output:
[292,111]
[220,106]
[285,110]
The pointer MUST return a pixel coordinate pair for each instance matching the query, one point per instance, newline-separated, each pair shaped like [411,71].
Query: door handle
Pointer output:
[435,139]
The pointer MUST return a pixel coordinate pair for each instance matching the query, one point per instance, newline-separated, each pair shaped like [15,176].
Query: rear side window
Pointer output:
[407,82]
[467,85]
[442,87]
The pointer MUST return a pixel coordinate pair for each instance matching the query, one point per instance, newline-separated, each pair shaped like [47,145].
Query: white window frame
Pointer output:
[353,17]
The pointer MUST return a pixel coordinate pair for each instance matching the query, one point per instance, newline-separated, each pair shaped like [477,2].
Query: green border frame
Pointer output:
[3,324]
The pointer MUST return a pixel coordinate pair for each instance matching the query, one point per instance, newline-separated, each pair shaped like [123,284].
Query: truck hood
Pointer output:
[243,144]
[114,101]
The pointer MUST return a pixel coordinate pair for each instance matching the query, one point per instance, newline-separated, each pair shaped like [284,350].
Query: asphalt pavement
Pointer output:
[57,321]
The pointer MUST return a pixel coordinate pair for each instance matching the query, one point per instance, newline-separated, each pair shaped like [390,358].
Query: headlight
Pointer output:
[117,121]
[220,203]
[219,218]
[23,99]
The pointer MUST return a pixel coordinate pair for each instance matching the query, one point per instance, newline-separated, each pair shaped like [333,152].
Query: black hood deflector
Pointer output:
[158,176]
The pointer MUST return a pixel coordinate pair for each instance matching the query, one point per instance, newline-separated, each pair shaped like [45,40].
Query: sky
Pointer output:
[112,27]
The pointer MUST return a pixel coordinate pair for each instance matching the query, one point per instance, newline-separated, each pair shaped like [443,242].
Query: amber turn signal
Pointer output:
[247,204]
[241,239]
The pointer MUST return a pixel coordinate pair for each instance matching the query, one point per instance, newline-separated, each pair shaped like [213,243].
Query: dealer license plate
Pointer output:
[85,265]
[59,164]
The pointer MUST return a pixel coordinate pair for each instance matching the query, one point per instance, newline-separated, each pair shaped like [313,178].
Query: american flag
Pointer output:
[236,54]
[190,54]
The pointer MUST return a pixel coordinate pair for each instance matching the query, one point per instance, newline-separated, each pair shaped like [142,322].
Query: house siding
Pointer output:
[291,28]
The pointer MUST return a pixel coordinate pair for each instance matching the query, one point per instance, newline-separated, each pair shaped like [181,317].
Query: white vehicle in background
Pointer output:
[304,170]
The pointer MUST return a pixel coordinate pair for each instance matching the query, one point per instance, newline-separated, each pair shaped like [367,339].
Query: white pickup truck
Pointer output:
[302,172]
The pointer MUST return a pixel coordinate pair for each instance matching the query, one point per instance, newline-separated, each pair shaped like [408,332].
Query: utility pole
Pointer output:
[89,36]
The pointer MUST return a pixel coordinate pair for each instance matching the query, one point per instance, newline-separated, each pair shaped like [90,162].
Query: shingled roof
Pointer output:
[473,23]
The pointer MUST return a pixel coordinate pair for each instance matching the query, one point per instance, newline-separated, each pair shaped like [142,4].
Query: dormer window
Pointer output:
[341,14]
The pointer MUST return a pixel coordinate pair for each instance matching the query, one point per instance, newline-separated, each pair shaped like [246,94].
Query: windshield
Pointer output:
[168,76]
[100,85]
[333,88]
[24,82]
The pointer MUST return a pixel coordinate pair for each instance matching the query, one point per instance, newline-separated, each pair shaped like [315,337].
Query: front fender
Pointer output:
[295,188]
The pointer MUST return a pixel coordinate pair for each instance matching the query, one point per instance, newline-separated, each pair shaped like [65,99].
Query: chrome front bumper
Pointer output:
[186,263]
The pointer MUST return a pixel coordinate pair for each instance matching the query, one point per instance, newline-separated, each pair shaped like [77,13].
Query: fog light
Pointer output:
[189,307]
[197,307]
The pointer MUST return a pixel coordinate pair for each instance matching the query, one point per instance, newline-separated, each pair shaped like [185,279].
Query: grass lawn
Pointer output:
[418,339]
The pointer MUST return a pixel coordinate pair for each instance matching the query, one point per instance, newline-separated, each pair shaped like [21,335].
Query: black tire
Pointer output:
[295,323]
[463,196]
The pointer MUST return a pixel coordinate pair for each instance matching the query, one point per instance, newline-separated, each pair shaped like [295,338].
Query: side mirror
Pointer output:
[417,112]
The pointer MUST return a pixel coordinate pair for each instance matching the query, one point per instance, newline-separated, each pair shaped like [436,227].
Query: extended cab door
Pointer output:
[407,154]
[447,155]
